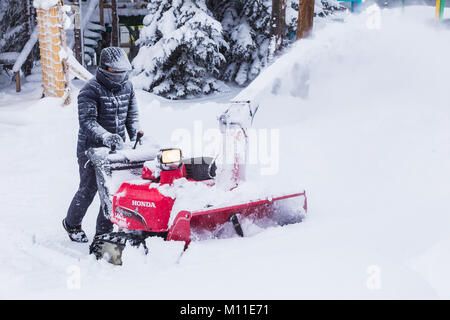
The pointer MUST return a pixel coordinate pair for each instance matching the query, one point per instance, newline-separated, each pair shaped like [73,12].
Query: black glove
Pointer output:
[113,139]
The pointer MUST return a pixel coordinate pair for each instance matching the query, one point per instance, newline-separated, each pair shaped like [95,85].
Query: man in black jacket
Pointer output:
[106,109]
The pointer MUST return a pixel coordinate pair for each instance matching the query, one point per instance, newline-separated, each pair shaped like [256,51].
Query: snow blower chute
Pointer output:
[149,191]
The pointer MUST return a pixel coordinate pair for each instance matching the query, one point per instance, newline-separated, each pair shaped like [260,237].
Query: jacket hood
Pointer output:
[104,80]
[114,58]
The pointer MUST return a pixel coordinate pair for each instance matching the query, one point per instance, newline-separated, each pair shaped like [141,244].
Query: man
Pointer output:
[106,109]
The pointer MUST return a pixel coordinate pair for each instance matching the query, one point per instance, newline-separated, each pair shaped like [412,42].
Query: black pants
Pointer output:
[84,197]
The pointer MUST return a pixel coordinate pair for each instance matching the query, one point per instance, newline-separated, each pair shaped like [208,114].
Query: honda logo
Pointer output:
[143,204]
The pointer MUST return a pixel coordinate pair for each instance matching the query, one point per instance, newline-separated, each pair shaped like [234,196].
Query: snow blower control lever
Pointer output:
[113,149]
[139,135]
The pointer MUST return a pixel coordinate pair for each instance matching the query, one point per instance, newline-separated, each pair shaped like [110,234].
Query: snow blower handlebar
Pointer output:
[139,136]
[106,162]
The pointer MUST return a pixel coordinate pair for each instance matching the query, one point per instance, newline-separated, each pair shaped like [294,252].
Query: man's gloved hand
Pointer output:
[113,139]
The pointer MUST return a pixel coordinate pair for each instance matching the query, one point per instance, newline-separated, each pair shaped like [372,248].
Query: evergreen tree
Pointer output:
[15,29]
[246,25]
[247,30]
[12,26]
[188,46]
[181,49]
[12,34]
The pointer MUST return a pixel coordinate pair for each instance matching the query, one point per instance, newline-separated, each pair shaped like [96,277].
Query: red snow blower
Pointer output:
[151,192]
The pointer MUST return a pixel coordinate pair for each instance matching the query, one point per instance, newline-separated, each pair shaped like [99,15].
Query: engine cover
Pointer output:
[139,207]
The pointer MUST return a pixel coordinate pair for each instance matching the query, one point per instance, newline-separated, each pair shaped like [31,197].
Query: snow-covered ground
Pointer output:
[370,141]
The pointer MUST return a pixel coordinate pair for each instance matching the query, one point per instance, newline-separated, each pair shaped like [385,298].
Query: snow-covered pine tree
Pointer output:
[246,25]
[327,7]
[181,50]
[172,60]
[14,30]
[12,25]
[247,30]
[12,35]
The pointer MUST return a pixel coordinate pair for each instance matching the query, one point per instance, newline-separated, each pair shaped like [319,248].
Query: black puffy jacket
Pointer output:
[105,106]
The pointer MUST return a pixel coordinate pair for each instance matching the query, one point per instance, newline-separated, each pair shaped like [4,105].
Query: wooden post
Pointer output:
[27,8]
[101,8]
[278,22]
[305,18]
[102,12]
[52,40]
[18,88]
[28,65]
[77,32]
[115,24]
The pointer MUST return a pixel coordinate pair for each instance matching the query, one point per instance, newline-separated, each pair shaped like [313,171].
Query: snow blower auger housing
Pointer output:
[155,192]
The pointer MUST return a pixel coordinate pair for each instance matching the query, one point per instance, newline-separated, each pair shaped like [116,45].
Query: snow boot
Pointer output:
[75,233]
